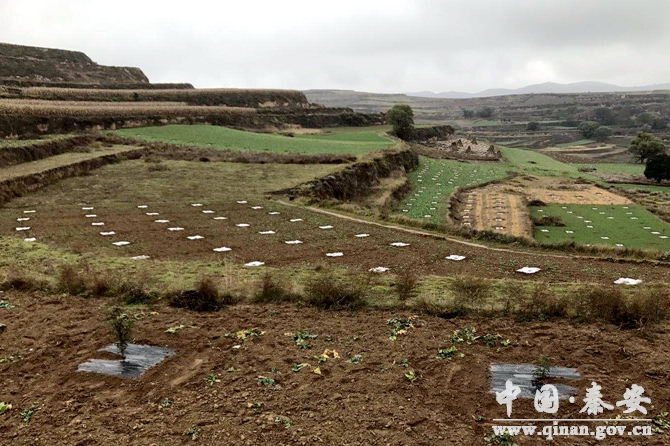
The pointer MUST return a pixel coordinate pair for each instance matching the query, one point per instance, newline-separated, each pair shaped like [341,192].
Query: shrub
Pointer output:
[271,291]
[533,126]
[122,329]
[470,293]
[205,297]
[605,303]
[548,220]
[326,292]
[406,285]
[20,282]
[134,293]
[72,281]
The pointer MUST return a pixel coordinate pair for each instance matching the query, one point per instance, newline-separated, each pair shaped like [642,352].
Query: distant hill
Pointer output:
[545,88]
[29,64]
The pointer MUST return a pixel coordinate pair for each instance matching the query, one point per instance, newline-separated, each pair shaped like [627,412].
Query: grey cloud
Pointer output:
[384,46]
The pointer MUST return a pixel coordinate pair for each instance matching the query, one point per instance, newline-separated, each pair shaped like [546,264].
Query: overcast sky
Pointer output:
[368,45]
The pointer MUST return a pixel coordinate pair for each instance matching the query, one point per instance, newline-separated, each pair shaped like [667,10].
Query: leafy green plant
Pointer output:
[297,367]
[400,326]
[403,363]
[167,402]
[466,335]
[4,407]
[302,339]
[660,422]
[212,379]
[411,376]
[245,335]
[122,329]
[173,330]
[266,382]
[27,414]
[193,433]
[5,305]
[449,353]
[356,359]
[504,439]
[283,420]
[541,371]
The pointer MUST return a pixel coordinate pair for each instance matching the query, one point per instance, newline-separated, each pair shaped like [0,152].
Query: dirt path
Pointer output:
[24,169]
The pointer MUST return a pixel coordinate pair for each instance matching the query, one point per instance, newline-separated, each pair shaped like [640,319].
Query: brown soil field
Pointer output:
[563,191]
[116,191]
[491,208]
[361,402]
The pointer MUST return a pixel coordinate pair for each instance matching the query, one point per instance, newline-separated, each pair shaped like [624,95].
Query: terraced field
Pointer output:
[355,142]
[435,180]
[629,226]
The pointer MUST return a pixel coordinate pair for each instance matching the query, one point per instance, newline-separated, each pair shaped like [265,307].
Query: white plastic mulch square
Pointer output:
[256,208]
[362,235]
[91,215]
[195,237]
[197,205]
[152,214]
[30,239]
[294,220]
[208,211]
[455,258]
[121,243]
[87,209]
[242,202]
[107,233]
[162,221]
[222,249]
[379,269]
[175,229]
[142,206]
[140,258]
[255,263]
[98,223]
[293,242]
[627,281]
[25,228]
[334,254]
[220,218]
[243,225]
[274,213]
[267,232]
[528,270]
[399,244]
[29,212]
[23,219]
[326,227]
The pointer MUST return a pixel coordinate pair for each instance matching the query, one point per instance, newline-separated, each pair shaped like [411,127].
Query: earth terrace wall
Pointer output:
[244,119]
[10,156]
[356,180]
[16,187]
[188,153]
[22,83]
[231,97]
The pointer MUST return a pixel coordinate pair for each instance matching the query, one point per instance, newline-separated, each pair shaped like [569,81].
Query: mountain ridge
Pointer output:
[543,88]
